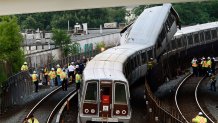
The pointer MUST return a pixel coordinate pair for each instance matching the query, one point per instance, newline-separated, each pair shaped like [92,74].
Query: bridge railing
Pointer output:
[157,112]
[18,87]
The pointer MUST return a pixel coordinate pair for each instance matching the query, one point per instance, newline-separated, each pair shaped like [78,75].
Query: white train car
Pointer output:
[104,94]
[193,36]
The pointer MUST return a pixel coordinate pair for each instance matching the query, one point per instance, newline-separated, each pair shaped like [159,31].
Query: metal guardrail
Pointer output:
[19,86]
[157,112]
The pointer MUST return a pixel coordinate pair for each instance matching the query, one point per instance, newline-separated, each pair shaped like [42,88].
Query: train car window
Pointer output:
[190,40]
[214,34]
[136,61]
[179,42]
[120,94]
[201,36]
[139,59]
[144,57]
[207,35]
[173,44]
[150,54]
[91,91]
[196,37]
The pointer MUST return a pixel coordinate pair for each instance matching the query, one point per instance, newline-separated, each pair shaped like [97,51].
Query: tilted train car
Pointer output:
[104,94]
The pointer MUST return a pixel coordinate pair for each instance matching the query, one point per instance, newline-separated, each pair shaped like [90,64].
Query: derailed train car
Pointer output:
[104,94]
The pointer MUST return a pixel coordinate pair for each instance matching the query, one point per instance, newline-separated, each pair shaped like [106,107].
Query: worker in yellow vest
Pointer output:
[150,64]
[35,80]
[59,71]
[52,75]
[63,77]
[32,119]
[199,118]
[24,67]
[204,66]
[195,66]
[78,80]
[45,72]
[209,64]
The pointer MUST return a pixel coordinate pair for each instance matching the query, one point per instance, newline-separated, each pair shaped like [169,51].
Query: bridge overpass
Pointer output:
[10,7]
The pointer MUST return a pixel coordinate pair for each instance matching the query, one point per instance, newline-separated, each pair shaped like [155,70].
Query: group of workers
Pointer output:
[203,66]
[59,76]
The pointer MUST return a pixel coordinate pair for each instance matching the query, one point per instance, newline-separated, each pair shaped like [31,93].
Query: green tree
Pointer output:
[10,44]
[75,48]
[100,45]
[61,39]
[29,23]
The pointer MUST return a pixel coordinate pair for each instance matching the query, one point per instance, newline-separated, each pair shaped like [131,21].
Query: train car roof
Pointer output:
[109,64]
[144,30]
[196,28]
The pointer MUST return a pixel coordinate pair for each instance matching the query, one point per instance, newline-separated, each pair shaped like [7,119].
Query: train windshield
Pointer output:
[91,91]
[120,94]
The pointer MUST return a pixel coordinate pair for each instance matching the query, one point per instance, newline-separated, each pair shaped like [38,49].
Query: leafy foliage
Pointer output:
[10,44]
[59,20]
[193,12]
[74,48]
[100,45]
[61,39]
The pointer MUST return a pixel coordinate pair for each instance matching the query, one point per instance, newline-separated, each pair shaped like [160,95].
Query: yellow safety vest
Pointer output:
[209,63]
[63,75]
[46,71]
[52,74]
[204,64]
[24,68]
[33,121]
[59,71]
[194,64]
[78,78]
[199,119]
[150,64]
[34,77]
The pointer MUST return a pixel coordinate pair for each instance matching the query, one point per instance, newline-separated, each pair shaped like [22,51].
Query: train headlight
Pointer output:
[117,111]
[86,111]
[92,111]
[123,111]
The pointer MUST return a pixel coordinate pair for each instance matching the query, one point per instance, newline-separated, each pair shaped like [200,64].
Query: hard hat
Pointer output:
[72,63]
[200,113]
[151,58]
[208,57]
[77,66]
[58,65]
[34,71]
[25,63]
[52,68]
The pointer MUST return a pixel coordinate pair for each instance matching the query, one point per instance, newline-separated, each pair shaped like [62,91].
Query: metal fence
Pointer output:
[157,112]
[19,86]
[10,92]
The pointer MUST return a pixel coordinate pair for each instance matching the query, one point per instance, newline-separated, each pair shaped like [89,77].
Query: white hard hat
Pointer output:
[77,66]
[208,57]
[72,63]
[25,63]
[200,113]
[34,71]
[52,68]
[58,65]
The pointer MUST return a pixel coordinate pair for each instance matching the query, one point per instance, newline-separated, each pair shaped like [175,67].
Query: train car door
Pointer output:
[105,95]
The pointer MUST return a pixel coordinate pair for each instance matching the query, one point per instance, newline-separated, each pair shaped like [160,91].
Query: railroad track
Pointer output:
[47,107]
[186,99]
